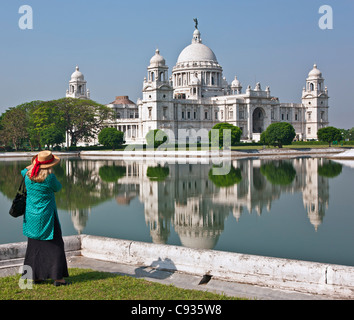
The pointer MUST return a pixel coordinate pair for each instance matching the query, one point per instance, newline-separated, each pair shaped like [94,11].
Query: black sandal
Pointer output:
[38,281]
[59,283]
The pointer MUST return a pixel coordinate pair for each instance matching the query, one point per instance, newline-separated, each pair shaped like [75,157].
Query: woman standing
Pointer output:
[45,247]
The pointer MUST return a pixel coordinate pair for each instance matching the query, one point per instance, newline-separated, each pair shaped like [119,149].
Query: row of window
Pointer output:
[309,115]
[188,115]
[132,115]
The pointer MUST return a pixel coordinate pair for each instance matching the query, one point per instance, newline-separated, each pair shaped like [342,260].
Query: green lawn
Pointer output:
[88,284]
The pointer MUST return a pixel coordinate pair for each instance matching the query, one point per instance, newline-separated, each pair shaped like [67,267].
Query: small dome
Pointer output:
[224,83]
[235,83]
[196,32]
[77,75]
[315,73]
[196,36]
[157,60]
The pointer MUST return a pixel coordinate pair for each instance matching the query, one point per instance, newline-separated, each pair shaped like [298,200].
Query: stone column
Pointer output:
[249,121]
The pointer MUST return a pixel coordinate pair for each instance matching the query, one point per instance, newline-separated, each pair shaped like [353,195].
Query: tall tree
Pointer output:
[80,119]
[14,127]
[45,120]
[32,137]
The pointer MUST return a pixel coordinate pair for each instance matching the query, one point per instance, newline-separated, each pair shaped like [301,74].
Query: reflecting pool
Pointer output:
[298,208]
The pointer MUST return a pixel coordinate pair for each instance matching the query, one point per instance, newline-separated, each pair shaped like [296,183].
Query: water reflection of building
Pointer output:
[79,217]
[195,207]
[315,193]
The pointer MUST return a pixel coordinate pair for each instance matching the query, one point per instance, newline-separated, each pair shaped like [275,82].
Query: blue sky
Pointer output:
[275,42]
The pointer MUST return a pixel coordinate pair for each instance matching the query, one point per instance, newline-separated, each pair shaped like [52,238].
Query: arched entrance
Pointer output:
[258,120]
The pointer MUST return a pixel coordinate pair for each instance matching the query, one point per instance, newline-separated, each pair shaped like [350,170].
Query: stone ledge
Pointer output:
[336,281]
[303,276]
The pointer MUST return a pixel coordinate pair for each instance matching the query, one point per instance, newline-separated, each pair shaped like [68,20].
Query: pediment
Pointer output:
[165,87]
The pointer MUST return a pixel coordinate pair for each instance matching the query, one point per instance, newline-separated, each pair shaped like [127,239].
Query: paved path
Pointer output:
[187,281]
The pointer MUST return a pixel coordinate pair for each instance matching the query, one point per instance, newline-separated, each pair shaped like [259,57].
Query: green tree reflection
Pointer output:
[226,180]
[82,187]
[280,172]
[10,177]
[330,169]
[157,173]
[112,173]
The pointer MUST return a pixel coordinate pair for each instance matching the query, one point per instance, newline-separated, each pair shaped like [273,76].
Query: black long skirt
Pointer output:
[47,257]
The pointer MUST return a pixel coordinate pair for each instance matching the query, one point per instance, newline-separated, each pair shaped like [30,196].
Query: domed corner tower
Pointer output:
[77,86]
[197,73]
[315,101]
[157,103]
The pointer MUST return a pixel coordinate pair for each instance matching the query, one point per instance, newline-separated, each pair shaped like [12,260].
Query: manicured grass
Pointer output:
[88,284]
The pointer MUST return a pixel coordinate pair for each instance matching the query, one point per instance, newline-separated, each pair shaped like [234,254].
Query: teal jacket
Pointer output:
[38,220]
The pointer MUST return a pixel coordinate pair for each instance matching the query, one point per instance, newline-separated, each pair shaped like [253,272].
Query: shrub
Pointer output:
[329,135]
[278,134]
[157,173]
[155,138]
[235,132]
[111,138]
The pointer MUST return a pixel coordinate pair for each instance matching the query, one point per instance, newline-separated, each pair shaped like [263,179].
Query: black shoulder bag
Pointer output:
[18,207]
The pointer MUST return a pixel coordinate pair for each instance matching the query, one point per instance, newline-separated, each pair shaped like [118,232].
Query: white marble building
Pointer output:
[196,96]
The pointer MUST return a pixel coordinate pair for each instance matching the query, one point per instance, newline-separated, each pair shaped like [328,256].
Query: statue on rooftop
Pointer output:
[196,22]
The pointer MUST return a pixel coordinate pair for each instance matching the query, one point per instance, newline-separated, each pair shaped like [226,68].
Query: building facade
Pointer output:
[196,96]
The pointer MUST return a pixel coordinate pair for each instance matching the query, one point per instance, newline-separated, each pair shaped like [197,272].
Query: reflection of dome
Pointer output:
[315,73]
[124,200]
[157,60]
[77,75]
[201,242]
[79,218]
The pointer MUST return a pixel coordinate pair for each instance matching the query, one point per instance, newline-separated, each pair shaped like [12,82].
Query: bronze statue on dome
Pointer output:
[196,22]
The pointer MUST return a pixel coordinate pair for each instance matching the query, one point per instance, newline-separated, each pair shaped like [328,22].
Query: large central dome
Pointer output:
[197,73]
[197,51]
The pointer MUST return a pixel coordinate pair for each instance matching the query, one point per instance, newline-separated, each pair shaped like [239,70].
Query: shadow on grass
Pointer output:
[86,275]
